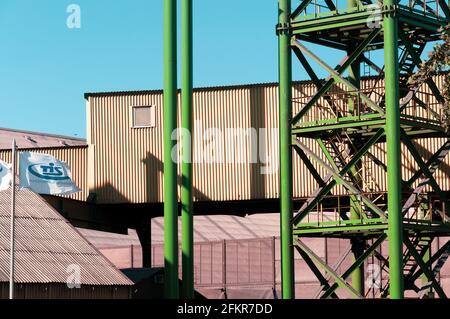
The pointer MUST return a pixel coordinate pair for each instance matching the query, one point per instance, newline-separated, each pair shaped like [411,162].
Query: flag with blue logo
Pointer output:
[44,174]
[5,176]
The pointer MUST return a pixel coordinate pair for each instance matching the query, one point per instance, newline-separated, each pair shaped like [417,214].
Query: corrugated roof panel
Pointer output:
[26,139]
[46,244]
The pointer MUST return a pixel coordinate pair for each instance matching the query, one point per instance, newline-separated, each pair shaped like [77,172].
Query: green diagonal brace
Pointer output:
[317,82]
[422,165]
[432,160]
[310,166]
[327,188]
[358,262]
[338,77]
[302,6]
[327,154]
[316,259]
[330,80]
[339,179]
[316,271]
[445,8]
[429,109]
[424,269]
[430,262]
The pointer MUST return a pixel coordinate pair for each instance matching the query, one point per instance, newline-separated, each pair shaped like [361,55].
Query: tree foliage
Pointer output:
[438,62]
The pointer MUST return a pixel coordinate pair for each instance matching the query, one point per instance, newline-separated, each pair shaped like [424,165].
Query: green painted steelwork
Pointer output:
[187,208]
[424,269]
[340,282]
[351,120]
[395,233]
[331,80]
[170,168]
[333,182]
[357,263]
[285,92]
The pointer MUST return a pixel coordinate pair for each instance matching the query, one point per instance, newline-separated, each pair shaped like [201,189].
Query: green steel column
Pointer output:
[285,91]
[354,75]
[355,201]
[395,230]
[170,168]
[187,218]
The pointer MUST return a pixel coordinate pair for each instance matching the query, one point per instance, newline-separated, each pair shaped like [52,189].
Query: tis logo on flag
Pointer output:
[44,174]
[49,171]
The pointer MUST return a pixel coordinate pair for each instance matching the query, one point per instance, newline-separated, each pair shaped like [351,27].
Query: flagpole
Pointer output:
[13,211]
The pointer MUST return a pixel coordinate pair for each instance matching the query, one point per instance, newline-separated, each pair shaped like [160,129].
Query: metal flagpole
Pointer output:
[13,210]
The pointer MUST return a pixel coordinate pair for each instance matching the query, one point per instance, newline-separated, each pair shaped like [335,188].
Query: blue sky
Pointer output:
[47,67]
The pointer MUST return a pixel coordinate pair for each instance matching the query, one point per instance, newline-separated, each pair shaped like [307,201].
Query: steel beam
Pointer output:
[285,136]
[170,167]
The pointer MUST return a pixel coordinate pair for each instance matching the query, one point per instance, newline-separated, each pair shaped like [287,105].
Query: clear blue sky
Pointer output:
[46,67]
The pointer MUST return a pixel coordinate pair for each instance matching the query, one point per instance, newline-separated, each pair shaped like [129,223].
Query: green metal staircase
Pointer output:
[358,120]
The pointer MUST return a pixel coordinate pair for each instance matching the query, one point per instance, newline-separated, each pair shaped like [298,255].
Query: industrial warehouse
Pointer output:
[332,187]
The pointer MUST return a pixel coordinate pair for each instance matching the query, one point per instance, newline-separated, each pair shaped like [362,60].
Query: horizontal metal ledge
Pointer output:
[346,18]
[356,228]
[366,124]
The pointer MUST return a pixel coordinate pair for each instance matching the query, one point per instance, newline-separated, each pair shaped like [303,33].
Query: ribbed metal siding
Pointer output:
[127,163]
[74,156]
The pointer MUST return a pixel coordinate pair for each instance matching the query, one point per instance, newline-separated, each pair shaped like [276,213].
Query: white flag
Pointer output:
[5,176]
[44,174]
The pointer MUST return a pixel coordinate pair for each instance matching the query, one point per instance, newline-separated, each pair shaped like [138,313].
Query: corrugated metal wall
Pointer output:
[74,156]
[127,162]
[61,291]
[241,267]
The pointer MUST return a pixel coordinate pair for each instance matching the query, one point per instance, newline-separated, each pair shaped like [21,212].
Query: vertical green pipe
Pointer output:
[285,92]
[395,229]
[187,213]
[354,76]
[355,201]
[170,168]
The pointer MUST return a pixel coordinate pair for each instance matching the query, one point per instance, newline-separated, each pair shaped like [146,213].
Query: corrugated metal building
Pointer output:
[124,134]
[49,250]
[121,160]
[119,167]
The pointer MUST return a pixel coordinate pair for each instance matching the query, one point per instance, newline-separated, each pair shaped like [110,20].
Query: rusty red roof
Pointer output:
[27,140]
[47,244]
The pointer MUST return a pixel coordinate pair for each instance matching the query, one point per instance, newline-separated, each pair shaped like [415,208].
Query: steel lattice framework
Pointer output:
[346,122]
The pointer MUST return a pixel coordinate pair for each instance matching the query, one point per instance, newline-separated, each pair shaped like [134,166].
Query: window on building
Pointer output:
[143,116]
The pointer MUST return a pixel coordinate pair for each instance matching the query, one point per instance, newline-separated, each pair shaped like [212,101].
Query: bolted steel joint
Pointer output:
[390,10]
[283,28]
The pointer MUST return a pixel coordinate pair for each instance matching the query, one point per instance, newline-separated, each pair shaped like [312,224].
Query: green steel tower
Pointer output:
[339,133]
